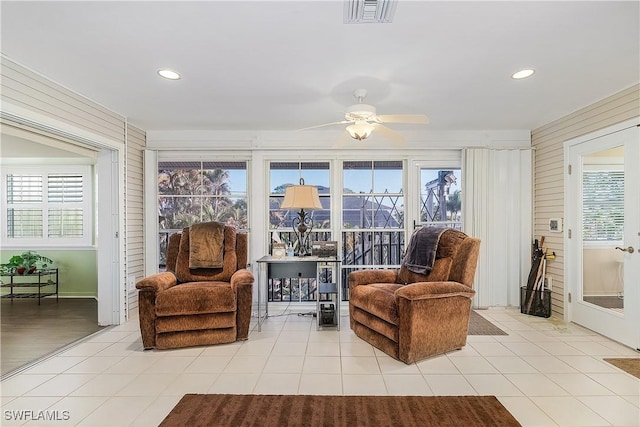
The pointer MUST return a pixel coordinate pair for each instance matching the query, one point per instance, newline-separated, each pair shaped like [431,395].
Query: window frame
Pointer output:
[44,241]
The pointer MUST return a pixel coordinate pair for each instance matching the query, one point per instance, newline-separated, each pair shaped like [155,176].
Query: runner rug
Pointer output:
[478,325]
[195,410]
[630,365]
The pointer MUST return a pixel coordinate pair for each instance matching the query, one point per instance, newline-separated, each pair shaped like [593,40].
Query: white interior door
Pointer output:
[603,236]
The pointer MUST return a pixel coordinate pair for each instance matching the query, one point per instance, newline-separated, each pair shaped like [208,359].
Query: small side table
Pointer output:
[270,267]
[47,284]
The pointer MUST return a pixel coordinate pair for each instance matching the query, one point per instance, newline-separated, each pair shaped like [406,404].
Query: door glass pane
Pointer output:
[602,229]
[441,197]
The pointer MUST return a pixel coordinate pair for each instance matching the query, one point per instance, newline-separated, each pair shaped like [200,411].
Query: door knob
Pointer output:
[629,249]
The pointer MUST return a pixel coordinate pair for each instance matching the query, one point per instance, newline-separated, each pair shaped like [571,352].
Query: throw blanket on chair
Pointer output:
[206,245]
[423,245]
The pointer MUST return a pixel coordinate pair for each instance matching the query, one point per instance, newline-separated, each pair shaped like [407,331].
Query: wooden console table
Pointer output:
[25,285]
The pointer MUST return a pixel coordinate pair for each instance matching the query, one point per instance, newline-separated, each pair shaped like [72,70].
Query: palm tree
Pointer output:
[178,212]
[454,204]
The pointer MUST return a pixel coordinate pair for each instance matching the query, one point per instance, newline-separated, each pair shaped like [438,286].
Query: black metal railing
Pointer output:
[361,249]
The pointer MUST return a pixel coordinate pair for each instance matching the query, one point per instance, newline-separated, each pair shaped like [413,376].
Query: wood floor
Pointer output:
[30,331]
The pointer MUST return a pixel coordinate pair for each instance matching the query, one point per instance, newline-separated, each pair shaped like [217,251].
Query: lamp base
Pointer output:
[302,227]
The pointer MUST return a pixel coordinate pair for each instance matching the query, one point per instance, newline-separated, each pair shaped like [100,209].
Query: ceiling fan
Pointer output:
[363,120]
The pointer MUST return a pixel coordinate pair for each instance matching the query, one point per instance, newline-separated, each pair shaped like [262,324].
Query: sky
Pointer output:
[357,180]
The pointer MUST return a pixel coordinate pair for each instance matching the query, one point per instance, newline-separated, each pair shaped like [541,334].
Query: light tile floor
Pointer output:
[545,372]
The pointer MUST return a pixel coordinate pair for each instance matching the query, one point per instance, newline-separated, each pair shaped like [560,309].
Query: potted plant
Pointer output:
[28,261]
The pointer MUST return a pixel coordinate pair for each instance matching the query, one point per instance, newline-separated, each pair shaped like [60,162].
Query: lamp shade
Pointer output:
[301,197]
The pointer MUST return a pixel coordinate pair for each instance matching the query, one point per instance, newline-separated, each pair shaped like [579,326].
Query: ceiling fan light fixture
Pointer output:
[358,112]
[360,131]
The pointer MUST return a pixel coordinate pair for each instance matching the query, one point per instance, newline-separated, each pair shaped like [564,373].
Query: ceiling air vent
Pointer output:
[369,11]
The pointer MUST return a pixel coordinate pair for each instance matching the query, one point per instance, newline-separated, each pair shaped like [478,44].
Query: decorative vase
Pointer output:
[20,270]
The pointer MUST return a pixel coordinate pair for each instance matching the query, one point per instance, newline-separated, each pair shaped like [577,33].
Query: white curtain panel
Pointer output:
[497,208]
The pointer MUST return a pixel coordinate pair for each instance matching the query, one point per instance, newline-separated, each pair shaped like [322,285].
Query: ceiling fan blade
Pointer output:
[404,118]
[385,131]
[326,124]
[344,138]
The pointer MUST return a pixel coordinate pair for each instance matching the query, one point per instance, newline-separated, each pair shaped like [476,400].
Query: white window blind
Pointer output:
[47,205]
[64,191]
[603,205]
[24,188]
[65,188]
[23,223]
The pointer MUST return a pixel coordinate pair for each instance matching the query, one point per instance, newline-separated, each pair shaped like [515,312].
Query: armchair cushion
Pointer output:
[230,261]
[365,277]
[448,246]
[196,298]
[377,298]
[440,271]
[432,290]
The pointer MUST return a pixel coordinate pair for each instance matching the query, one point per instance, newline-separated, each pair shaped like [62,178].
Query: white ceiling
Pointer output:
[270,65]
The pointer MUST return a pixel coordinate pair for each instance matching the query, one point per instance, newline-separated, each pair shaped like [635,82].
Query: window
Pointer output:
[282,175]
[373,232]
[197,191]
[441,198]
[602,205]
[372,223]
[47,206]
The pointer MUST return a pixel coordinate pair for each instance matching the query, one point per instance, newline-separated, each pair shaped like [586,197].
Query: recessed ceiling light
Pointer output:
[523,74]
[169,74]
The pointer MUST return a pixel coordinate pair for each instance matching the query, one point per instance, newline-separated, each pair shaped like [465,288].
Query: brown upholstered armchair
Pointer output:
[197,306]
[411,316]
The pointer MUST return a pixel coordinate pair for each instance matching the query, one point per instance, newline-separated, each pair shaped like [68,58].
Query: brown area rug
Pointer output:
[630,365]
[196,410]
[478,325]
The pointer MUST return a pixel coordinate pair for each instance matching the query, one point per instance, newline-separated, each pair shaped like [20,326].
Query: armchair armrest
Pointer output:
[242,284]
[157,282]
[433,318]
[149,288]
[432,290]
[242,277]
[365,277]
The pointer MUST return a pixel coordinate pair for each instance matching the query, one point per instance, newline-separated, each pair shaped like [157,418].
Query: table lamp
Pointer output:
[302,197]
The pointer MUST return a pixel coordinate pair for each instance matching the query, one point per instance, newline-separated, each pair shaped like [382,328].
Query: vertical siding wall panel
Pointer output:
[136,141]
[30,90]
[549,170]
